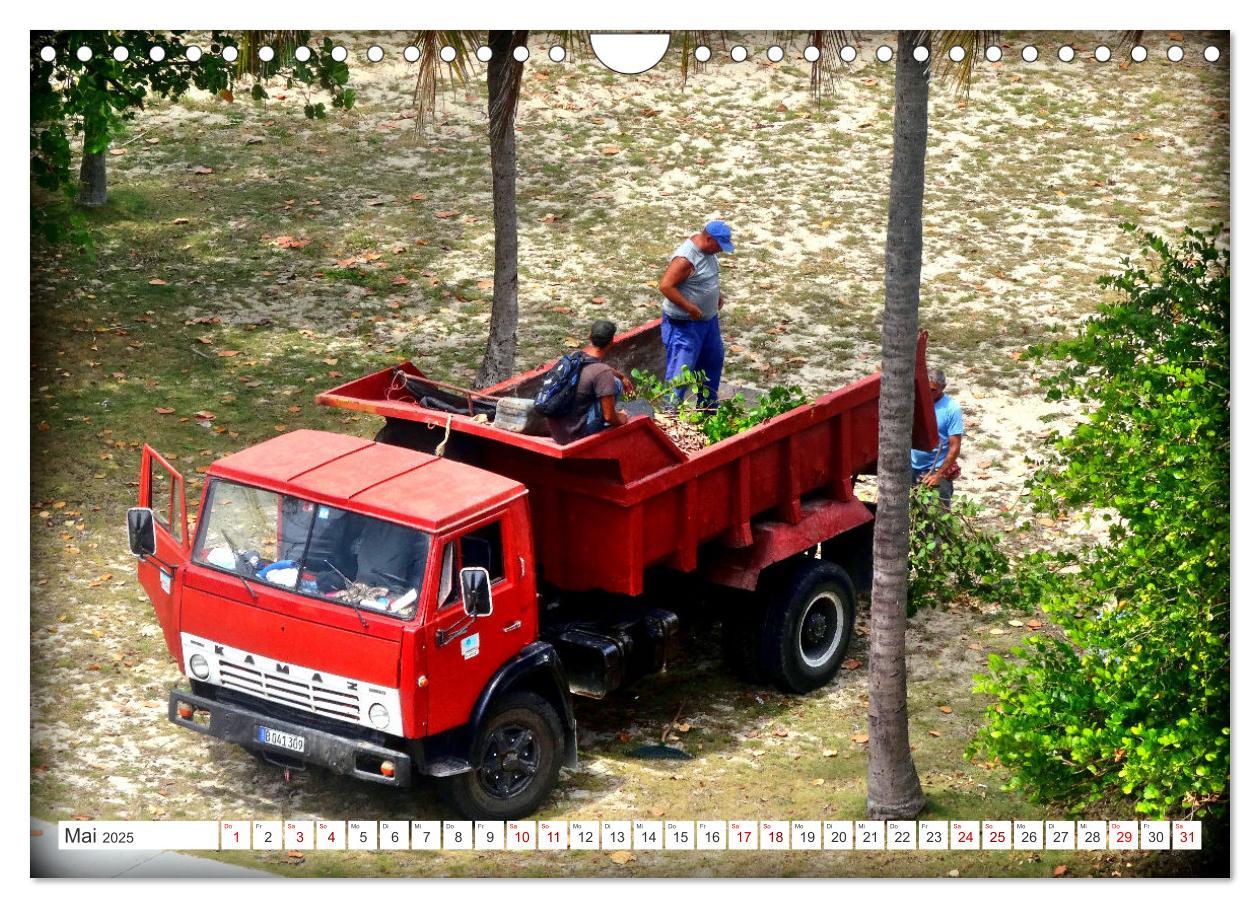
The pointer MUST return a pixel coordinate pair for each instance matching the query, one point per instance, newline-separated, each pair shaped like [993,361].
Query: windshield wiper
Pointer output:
[237,559]
[349,583]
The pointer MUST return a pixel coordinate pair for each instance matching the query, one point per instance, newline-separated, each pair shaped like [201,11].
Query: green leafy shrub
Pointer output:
[729,417]
[950,553]
[1132,701]
[98,96]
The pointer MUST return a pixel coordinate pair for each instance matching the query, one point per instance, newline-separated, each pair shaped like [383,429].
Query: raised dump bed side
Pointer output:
[607,507]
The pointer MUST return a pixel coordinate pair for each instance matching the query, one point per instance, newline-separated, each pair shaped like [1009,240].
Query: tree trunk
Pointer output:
[92,174]
[893,790]
[504,78]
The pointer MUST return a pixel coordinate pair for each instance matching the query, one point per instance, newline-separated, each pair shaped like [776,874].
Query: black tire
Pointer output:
[808,623]
[516,761]
[741,640]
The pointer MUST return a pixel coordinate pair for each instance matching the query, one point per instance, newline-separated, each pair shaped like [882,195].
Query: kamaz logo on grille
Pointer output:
[296,686]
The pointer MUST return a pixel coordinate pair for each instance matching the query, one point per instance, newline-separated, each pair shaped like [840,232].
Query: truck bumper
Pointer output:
[240,725]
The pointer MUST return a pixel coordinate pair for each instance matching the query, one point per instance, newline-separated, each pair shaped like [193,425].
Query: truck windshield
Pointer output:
[313,549]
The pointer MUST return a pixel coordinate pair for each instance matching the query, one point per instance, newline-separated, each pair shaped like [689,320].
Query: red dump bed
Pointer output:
[607,507]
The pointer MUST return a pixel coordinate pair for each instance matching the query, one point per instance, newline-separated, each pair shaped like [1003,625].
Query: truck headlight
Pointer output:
[199,666]
[379,715]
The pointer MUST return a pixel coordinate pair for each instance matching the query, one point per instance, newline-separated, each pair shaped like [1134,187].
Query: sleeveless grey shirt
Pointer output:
[701,287]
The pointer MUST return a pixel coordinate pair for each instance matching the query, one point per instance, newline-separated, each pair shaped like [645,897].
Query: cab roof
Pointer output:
[420,489]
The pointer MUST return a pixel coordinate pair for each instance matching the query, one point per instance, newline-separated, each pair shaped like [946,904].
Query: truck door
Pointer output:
[465,653]
[162,490]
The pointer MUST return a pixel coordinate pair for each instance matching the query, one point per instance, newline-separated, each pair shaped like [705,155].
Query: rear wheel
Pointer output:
[808,622]
[516,761]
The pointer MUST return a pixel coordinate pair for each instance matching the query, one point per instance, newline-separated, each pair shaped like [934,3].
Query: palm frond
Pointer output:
[823,71]
[1129,40]
[688,41]
[959,72]
[284,43]
[573,42]
[432,67]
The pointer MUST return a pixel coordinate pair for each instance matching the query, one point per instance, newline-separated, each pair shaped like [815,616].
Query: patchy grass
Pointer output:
[1026,186]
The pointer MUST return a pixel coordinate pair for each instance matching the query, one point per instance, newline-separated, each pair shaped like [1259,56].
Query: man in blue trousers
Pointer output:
[692,299]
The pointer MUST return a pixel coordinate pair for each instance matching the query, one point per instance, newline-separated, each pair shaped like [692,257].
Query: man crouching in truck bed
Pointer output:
[599,388]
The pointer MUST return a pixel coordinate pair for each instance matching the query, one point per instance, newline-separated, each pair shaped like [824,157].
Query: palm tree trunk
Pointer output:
[893,790]
[92,188]
[504,79]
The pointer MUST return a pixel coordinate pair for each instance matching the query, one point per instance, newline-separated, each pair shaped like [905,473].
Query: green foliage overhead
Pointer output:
[1131,701]
[729,417]
[95,98]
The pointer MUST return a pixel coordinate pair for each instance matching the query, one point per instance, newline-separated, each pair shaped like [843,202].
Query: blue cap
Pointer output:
[721,232]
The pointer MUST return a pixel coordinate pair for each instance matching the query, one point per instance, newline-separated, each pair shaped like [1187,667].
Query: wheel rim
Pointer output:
[511,761]
[820,631]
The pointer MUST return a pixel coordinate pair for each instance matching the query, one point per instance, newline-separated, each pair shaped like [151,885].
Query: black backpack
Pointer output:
[559,387]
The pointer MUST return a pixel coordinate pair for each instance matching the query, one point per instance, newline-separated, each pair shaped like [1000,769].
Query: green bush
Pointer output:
[950,553]
[1131,702]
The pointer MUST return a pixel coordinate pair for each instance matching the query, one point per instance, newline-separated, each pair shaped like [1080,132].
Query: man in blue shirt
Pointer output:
[689,327]
[938,466]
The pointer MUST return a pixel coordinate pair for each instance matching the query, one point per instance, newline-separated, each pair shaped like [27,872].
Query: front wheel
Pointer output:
[516,761]
[809,619]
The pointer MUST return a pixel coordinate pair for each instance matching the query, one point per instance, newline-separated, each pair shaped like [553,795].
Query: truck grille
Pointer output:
[269,686]
[294,686]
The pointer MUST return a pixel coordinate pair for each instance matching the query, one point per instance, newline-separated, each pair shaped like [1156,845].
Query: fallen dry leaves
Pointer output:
[362,258]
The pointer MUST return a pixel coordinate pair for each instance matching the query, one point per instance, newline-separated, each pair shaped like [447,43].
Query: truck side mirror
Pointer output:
[141,537]
[474,584]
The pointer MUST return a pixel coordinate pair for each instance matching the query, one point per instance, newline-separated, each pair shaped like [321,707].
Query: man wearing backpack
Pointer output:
[598,388]
[689,326]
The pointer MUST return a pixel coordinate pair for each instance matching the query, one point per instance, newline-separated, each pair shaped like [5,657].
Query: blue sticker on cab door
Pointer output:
[470,646]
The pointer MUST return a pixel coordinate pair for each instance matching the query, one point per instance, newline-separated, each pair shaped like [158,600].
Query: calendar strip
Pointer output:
[662,835]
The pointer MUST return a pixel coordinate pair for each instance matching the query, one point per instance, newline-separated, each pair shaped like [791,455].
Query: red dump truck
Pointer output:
[426,603]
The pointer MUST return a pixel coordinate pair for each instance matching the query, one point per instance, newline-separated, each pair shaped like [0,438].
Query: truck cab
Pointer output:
[362,607]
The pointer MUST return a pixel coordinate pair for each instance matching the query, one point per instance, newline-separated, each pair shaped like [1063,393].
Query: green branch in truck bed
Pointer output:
[730,417]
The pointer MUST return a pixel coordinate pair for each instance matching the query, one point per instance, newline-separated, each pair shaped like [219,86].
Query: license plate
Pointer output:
[295,743]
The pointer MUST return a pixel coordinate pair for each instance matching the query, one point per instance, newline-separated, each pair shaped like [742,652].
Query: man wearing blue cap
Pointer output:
[689,327]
